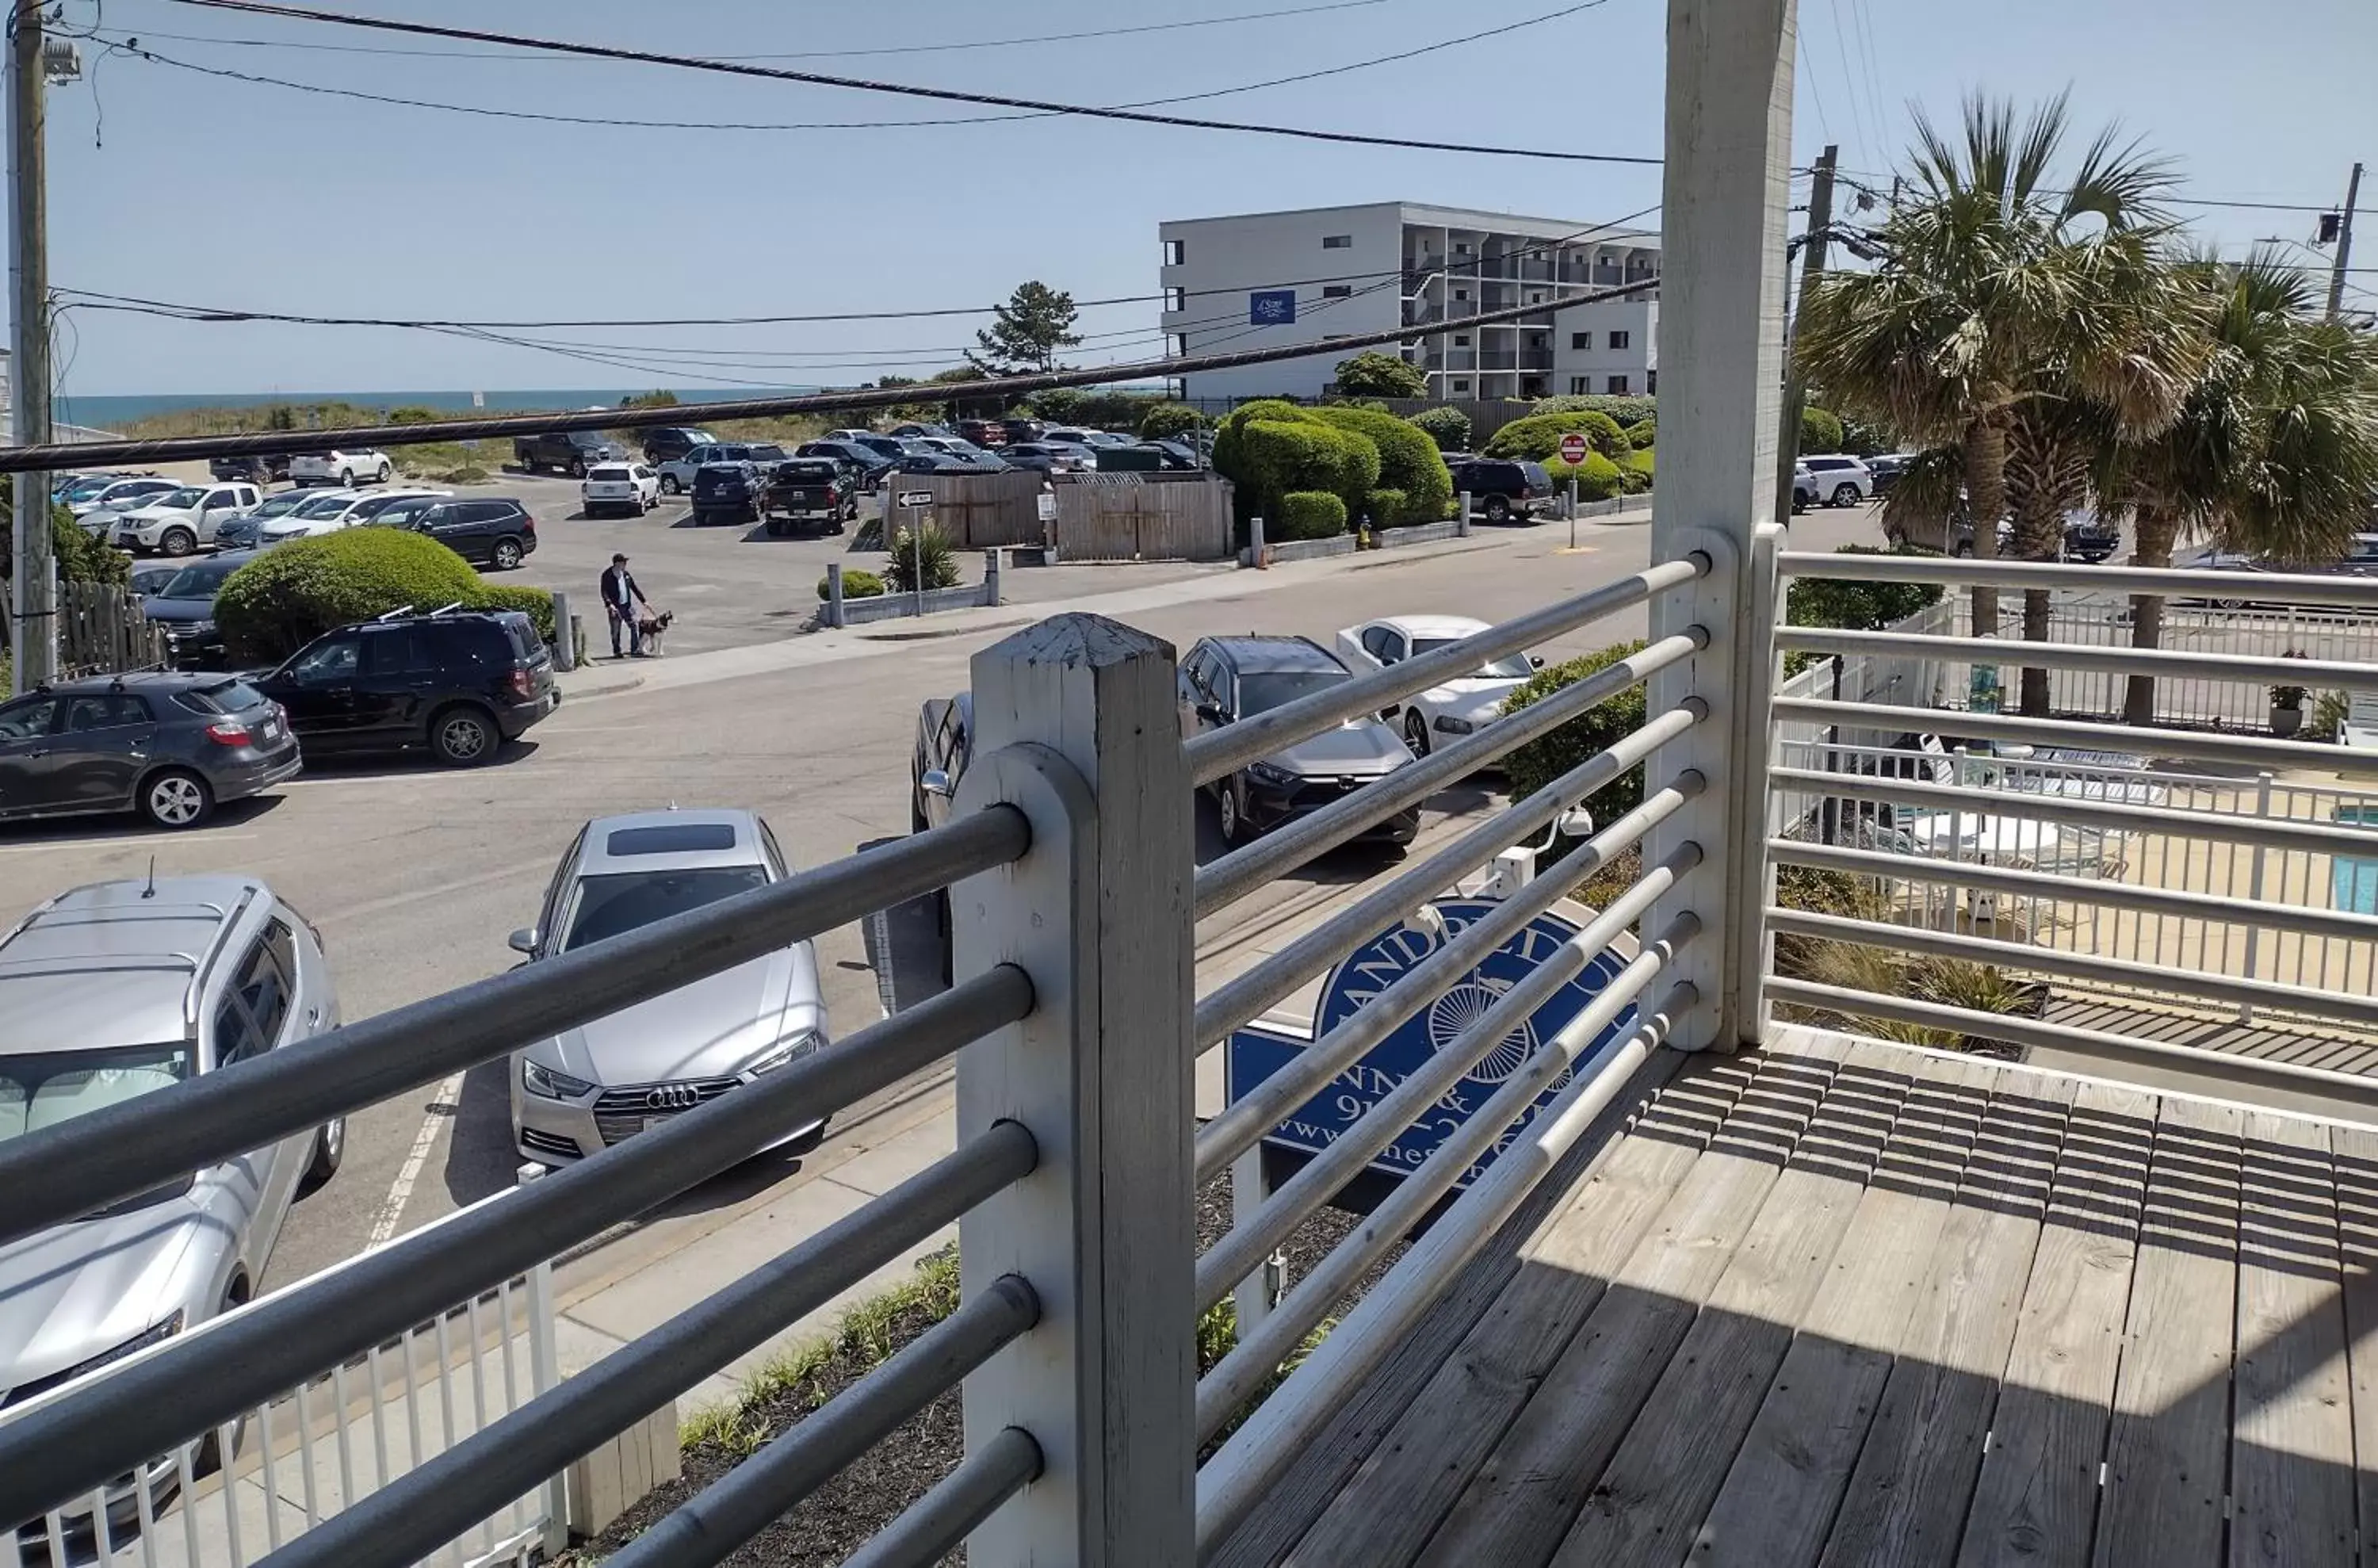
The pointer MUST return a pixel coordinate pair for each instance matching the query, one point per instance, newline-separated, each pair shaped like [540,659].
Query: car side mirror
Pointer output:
[935,781]
[1535,661]
[524,940]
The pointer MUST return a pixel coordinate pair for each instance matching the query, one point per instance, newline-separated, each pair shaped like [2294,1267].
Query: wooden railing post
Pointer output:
[1076,723]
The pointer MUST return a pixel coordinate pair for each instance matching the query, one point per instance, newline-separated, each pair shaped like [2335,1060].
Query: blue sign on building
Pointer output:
[1271,307]
[1256,1053]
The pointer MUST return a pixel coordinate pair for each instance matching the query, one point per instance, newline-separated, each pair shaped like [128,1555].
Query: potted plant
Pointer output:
[2286,703]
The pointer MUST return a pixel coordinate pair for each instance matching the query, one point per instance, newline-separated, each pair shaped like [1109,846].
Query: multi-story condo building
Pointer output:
[1322,273]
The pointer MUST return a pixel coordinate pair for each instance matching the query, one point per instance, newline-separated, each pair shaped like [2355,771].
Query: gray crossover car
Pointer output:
[121,989]
[167,746]
[577,1094]
[1227,678]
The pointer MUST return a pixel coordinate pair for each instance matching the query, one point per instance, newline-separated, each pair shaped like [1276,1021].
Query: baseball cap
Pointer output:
[618,560]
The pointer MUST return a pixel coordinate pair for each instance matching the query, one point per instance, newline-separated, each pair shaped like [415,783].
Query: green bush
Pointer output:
[1163,421]
[1627,411]
[1634,473]
[856,585]
[1408,460]
[1387,508]
[537,602]
[926,559]
[416,413]
[1374,374]
[1853,606]
[1545,758]
[1310,514]
[1643,434]
[1820,431]
[1277,457]
[1865,439]
[277,604]
[1597,477]
[1449,427]
[1538,437]
[79,557]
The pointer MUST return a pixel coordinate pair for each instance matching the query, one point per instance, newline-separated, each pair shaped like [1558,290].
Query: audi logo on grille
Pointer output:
[672,1097]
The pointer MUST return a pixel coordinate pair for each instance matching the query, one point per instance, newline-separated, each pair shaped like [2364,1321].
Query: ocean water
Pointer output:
[112,412]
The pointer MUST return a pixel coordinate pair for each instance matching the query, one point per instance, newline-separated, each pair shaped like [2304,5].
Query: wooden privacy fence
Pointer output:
[101,630]
[978,511]
[1143,518]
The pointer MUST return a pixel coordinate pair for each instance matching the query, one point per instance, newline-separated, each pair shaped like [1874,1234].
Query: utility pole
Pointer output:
[2344,245]
[1812,265]
[33,631]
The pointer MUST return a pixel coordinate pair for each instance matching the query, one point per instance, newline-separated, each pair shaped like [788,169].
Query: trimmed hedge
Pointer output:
[1820,431]
[1270,459]
[292,595]
[1408,460]
[1643,435]
[1375,374]
[1597,477]
[1537,438]
[1530,767]
[1385,508]
[856,585]
[1310,514]
[1627,411]
[1449,427]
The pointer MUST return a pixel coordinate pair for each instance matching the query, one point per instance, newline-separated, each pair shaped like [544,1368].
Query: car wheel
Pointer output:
[177,541]
[383,473]
[175,798]
[1845,494]
[1498,508]
[1226,806]
[465,736]
[346,478]
[329,1148]
[506,556]
[669,486]
[1416,732]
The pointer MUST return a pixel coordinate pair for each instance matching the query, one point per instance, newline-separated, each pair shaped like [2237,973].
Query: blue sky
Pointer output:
[172,184]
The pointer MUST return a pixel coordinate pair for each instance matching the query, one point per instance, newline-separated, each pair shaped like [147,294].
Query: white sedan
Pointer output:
[347,467]
[1444,713]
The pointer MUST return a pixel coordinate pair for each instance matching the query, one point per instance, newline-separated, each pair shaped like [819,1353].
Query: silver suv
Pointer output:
[121,989]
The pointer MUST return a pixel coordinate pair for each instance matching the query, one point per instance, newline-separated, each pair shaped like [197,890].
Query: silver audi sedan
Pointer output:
[579,1093]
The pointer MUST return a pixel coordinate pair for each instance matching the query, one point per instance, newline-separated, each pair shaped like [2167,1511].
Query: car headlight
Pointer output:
[1271,773]
[540,1079]
[156,1333]
[1451,725]
[786,1051]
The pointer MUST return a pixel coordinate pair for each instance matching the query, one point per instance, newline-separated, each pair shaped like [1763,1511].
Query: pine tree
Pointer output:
[1026,332]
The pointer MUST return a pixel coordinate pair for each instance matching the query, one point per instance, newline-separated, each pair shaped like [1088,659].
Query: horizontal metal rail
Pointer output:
[1247,1119]
[2041,885]
[938,1522]
[1241,872]
[1230,1384]
[1236,1478]
[79,1437]
[2180,982]
[2357,592]
[708,1528]
[1231,748]
[2251,667]
[2227,827]
[2196,745]
[1239,1252]
[406,1521]
[111,1154]
[2350,1089]
[1244,998]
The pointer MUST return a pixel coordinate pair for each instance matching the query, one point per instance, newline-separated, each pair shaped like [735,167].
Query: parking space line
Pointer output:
[142,841]
[441,1111]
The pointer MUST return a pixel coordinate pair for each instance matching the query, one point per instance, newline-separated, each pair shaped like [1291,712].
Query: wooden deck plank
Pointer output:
[2037,1500]
[1389,1507]
[1914,1475]
[2355,1152]
[1522,1500]
[2291,1479]
[1661,1481]
[2168,1451]
[1320,1472]
[1778,1499]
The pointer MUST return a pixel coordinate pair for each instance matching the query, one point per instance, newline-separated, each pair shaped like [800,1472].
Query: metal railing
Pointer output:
[2131,875]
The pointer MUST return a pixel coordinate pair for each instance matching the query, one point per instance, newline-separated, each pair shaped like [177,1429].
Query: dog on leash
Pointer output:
[651,627]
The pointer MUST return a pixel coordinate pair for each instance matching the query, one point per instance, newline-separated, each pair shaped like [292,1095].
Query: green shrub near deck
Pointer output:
[1530,767]
[1310,514]
[294,593]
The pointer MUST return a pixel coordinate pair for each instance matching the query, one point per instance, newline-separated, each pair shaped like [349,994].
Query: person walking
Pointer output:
[620,597]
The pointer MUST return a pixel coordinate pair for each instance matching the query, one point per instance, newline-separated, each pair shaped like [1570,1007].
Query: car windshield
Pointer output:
[46,1088]
[83,490]
[199,582]
[281,505]
[622,901]
[188,496]
[326,506]
[1273,688]
[1515,668]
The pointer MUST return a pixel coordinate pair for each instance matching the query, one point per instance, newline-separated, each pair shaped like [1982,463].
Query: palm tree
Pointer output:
[1998,288]
[2274,450]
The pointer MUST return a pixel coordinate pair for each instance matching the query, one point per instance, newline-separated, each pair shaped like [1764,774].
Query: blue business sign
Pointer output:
[1256,1053]
[1271,307]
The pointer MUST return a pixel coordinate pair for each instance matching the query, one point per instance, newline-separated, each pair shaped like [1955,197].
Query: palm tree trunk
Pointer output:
[2159,530]
[1985,454]
[2038,535]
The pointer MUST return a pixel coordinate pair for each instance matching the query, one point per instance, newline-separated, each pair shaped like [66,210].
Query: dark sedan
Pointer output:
[184,607]
[167,746]
[1224,680]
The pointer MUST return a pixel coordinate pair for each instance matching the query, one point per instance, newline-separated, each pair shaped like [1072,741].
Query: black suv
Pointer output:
[167,746]
[673,442]
[461,682]
[490,531]
[728,492]
[1502,489]
[572,451]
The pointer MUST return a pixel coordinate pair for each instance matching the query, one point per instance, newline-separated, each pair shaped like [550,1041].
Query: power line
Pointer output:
[862,84]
